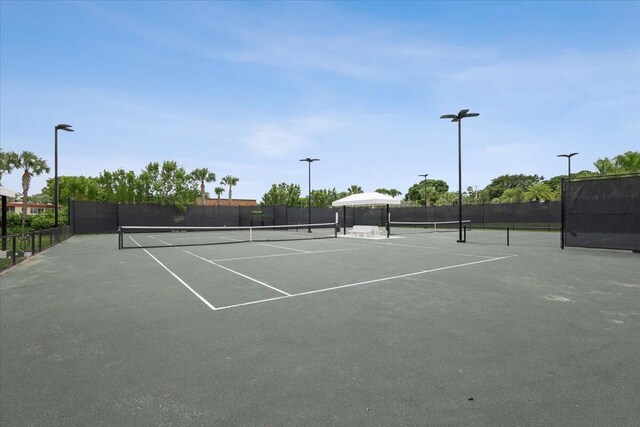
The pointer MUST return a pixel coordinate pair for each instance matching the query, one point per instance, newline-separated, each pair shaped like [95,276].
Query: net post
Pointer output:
[388,225]
[335,229]
[120,239]
[507,236]
[33,243]
[344,217]
[251,234]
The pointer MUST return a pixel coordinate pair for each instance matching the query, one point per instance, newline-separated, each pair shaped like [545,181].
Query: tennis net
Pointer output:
[155,237]
[417,227]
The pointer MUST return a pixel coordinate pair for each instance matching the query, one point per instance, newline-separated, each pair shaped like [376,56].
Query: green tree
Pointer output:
[8,160]
[500,184]
[538,191]
[604,166]
[447,199]
[282,194]
[230,182]
[119,186]
[31,165]
[74,187]
[218,191]
[510,195]
[434,189]
[391,192]
[175,186]
[203,175]
[629,162]
[323,198]
[354,189]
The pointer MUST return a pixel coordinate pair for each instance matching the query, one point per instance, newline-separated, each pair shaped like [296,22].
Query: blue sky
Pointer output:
[249,88]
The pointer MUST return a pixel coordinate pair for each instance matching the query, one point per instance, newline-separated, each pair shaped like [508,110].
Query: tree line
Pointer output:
[166,183]
[170,183]
[435,192]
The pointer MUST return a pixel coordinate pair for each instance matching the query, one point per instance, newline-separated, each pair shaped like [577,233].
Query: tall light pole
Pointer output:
[568,156]
[66,128]
[425,175]
[309,160]
[458,118]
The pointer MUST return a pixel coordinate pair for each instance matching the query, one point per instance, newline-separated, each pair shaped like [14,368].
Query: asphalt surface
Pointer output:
[413,331]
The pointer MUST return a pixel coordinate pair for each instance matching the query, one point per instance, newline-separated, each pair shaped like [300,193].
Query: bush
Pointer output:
[35,222]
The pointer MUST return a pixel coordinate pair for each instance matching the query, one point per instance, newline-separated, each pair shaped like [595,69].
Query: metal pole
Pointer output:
[55,206]
[460,240]
[309,231]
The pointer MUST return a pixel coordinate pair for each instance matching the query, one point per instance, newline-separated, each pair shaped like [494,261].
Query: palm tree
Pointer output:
[218,191]
[32,165]
[538,191]
[8,161]
[203,175]
[230,181]
[393,192]
[354,189]
[628,162]
[604,166]
[511,195]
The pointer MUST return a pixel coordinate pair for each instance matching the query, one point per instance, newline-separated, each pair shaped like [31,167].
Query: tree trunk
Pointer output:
[26,181]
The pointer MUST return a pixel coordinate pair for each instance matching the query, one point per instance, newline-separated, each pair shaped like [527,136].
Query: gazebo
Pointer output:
[365,199]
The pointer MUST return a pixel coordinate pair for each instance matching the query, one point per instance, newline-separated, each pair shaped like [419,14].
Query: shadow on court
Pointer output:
[418,330]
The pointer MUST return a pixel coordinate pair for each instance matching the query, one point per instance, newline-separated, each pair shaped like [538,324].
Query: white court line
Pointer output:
[282,247]
[228,269]
[350,285]
[431,247]
[238,273]
[200,297]
[280,255]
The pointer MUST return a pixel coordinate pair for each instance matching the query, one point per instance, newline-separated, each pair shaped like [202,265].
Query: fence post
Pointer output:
[562,213]
[13,252]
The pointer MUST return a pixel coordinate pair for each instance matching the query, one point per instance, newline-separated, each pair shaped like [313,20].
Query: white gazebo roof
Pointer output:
[366,199]
[7,192]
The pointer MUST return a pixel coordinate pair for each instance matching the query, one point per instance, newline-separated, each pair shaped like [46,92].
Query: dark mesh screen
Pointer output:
[93,217]
[602,213]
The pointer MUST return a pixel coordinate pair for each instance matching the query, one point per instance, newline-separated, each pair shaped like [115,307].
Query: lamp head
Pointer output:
[64,127]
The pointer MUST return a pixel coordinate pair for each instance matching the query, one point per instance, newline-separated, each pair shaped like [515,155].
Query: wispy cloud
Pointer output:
[278,140]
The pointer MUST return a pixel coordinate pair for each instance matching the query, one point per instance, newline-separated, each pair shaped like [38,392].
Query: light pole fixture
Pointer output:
[568,156]
[309,160]
[66,128]
[458,118]
[425,175]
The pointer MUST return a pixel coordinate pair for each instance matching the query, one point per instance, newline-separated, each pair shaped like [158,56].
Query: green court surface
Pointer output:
[414,330]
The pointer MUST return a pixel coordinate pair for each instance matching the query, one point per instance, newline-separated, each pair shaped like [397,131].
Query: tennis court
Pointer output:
[412,330]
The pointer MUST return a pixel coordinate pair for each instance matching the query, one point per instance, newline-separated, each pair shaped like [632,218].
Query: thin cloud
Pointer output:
[279,140]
